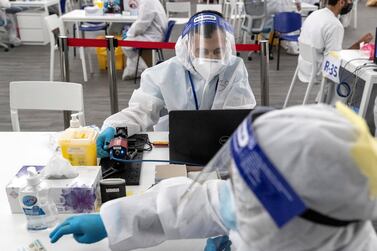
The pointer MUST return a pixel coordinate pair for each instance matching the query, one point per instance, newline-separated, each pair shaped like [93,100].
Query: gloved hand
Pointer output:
[103,140]
[124,35]
[220,243]
[86,228]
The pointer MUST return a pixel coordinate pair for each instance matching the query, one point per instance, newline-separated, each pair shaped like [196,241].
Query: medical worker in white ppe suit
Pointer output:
[205,74]
[323,31]
[150,25]
[326,158]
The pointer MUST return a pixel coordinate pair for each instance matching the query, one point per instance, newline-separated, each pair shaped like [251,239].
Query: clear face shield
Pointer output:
[263,187]
[210,43]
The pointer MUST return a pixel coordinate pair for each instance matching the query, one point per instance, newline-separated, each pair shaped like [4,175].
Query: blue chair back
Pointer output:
[62,5]
[286,22]
[168,31]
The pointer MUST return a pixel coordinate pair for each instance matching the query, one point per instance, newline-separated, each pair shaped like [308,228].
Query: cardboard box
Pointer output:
[192,172]
[76,195]
[169,171]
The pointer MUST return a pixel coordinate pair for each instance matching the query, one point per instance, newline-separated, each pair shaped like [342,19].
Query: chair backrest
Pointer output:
[214,7]
[309,54]
[256,12]
[256,8]
[178,7]
[168,31]
[236,16]
[55,27]
[286,22]
[45,95]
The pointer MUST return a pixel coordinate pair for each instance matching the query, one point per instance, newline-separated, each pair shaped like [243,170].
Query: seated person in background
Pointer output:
[7,12]
[205,74]
[150,25]
[275,6]
[323,31]
[317,150]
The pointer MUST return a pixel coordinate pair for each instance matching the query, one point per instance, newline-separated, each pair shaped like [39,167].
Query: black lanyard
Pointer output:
[194,92]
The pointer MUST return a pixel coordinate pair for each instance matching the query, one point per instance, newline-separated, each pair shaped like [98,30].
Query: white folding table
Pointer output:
[36,4]
[78,16]
[34,148]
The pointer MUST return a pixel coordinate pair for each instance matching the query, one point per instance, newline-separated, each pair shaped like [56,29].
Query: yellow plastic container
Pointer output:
[78,145]
[102,56]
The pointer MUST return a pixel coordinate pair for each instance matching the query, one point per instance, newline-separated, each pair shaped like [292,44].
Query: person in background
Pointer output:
[205,74]
[275,6]
[325,155]
[323,31]
[7,12]
[150,25]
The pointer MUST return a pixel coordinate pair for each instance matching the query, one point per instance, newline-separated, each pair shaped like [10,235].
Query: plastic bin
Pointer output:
[102,56]
[79,146]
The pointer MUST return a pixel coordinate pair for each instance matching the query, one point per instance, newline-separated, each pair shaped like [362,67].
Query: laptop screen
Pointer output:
[196,136]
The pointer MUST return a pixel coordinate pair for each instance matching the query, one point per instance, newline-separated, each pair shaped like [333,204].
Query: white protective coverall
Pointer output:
[312,146]
[167,86]
[150,25]
[323,31]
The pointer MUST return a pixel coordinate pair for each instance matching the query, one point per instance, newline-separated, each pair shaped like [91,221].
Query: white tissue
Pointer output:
[93,11]
[59,168]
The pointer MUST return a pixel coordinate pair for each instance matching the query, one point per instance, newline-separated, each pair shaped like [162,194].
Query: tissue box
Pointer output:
[71,196]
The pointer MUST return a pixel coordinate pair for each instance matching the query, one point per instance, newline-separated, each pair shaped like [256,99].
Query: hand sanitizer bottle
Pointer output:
[40,210]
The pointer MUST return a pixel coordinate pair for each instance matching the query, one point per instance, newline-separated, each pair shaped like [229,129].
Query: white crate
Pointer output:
[32,27]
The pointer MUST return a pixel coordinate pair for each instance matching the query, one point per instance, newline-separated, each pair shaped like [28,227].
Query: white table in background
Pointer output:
[351,60]
[31,24]
[36,4]
[79,16]
[33,148]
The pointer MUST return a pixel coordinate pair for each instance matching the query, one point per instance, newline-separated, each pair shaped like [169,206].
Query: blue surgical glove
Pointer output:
[124,35]
[103,140]
[86,228]
[220,243]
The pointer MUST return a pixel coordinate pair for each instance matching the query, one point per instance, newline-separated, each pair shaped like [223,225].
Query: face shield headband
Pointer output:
[268,184]
[210,43]
[261,176]
[205,18]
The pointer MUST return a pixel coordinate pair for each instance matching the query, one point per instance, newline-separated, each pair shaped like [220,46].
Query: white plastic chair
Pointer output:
[178,7]
[255,15]
[230,6]
[234,14]
[45,95]
[55,28]
[308,53]
[214,7]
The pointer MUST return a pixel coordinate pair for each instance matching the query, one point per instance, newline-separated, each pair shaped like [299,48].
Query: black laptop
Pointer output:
[196,136]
